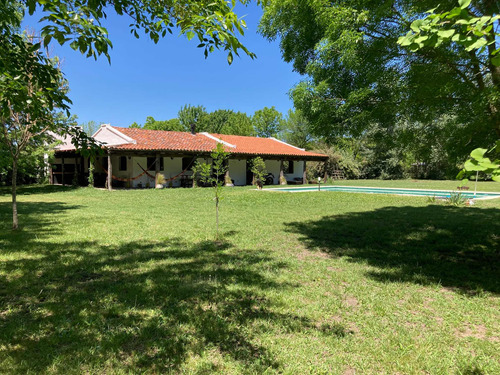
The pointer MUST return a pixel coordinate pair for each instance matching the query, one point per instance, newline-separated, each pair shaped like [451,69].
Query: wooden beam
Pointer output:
[110,172]
[304,177]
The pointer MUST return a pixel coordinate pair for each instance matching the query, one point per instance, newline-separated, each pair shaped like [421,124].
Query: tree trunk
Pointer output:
[304,176]
[216,219]
[15,221]
[62,167]
[110,173]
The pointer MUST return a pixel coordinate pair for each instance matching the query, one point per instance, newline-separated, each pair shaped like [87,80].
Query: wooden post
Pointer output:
[62,170]
[304,177]
[227,177]
[325,177]
[157,167]
[110,172]
[157,164]
[282,174]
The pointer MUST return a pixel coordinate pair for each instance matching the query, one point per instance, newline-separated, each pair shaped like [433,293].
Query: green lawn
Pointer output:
[336,283]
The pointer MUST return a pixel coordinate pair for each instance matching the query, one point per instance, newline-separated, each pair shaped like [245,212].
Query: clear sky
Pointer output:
[147,79]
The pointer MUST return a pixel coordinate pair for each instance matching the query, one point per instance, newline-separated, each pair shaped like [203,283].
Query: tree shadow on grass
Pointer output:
[36,220]
[457,247]
[138,306]
[37,189]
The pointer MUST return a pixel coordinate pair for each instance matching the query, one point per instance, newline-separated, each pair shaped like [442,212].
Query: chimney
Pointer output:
[193,128]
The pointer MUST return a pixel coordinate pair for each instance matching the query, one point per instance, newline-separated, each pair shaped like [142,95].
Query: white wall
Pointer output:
[273,166]
[144,180]
[172,168]
[298,170]
[238,171]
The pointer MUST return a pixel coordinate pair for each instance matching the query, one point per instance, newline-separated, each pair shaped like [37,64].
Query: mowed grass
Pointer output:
[133,282]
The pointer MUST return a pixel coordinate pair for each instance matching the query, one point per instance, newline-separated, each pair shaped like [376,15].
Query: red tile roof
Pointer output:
[263,146]
[156,140]
[165,140]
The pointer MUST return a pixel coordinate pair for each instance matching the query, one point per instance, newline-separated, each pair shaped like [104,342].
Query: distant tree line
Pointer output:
[404,150]
[266,122]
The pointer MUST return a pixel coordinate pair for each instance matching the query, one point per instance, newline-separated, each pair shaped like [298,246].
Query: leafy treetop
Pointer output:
[80,22]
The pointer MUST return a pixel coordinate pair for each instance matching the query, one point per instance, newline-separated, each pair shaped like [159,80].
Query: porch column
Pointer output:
[157,164]
[304,176]
[227,177]
[62,170]
[110,172]
[157,167]
[325,166]
[282,174]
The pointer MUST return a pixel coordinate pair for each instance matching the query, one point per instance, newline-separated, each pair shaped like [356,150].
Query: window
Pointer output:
[187,164]
[288,167]
[152,163]
[123,163]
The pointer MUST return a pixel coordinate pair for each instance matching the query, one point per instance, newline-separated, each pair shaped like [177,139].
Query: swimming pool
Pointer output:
[393,191]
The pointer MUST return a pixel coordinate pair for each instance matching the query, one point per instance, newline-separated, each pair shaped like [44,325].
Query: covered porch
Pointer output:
[132,169]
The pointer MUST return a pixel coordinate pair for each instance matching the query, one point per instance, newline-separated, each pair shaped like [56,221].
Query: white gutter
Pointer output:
[218,140]
[277,140]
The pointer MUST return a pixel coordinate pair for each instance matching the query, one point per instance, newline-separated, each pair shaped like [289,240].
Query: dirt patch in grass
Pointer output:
[307,255]
[351,301]
[477,331]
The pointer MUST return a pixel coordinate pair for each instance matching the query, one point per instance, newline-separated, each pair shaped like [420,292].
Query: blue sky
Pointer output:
[147,79]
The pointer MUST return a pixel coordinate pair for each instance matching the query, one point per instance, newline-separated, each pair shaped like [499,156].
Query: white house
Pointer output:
[133,157]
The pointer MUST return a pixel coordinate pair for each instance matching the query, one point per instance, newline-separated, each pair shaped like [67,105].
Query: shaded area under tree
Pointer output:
[142,306]
[456,247]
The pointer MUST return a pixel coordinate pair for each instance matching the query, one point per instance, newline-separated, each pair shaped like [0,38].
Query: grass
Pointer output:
[132,282]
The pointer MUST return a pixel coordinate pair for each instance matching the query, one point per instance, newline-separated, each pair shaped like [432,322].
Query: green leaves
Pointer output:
[480,163]
[79,23]
[478,153]
[458,26]
[464,3]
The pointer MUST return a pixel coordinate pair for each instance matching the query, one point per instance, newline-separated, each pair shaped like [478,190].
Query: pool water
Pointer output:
[394,191]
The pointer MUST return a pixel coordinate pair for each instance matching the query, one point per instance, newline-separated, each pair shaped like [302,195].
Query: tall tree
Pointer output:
[79,23]
[297,129]
[192,115]
[240,124]
[170,125]
[31,88]
[90,127]
[267,122]
[225,121]
[475,28]
[358,77]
